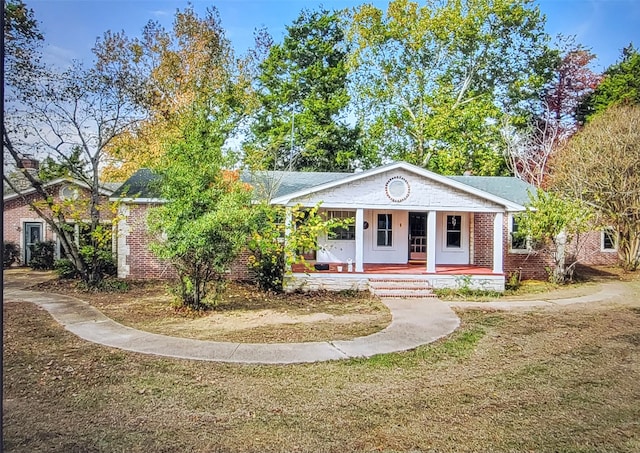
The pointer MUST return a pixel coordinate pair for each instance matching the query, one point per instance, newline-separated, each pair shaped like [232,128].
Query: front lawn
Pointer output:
[564,379]
[245,314]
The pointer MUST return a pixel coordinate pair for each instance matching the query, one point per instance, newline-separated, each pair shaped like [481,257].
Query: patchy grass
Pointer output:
[587,281]
[563,379]
[245,314]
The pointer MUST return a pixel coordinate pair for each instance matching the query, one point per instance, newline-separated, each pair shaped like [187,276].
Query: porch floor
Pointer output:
[408,269]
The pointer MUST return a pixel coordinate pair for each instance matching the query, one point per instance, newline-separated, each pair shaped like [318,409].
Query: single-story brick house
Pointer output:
[411,225]
[23,226]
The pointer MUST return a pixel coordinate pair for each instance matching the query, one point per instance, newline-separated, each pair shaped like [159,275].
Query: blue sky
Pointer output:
[72,26]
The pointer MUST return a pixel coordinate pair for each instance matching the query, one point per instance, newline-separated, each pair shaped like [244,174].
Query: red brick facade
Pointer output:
[17,212]
[136,260]
[140,263]
[531,265]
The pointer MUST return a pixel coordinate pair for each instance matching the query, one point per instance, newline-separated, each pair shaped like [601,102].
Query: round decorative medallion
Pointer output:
[397,188]
[69,193]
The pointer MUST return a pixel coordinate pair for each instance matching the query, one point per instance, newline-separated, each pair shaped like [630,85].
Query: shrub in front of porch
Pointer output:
[276,246]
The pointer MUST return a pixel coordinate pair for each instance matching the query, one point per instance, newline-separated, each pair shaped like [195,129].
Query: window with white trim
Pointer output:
[385,230]
[454,231]
[347,233]
[609,240]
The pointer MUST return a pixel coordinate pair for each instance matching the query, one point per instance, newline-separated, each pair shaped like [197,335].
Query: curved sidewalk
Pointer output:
[414,323]
[608,291]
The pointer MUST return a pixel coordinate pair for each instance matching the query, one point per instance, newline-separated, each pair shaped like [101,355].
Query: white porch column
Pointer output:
[497,243]
[359,240]
[288,222]
[431,242]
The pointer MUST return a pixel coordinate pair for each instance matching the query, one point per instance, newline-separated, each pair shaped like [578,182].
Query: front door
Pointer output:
[32,235]
[418,236]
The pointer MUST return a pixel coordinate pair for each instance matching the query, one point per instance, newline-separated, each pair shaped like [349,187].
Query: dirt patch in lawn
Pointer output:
[245,314]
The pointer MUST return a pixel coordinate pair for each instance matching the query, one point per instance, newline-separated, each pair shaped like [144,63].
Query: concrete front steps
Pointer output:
[401,287]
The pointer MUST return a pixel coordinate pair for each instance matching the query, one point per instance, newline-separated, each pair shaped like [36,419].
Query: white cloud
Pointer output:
[59,56]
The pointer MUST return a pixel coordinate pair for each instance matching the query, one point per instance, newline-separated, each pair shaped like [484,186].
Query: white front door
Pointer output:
[453,238]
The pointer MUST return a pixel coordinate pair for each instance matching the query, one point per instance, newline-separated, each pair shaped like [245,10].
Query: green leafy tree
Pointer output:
[193,62]
[553,225]
[432,80]
[277,245]
[601,166]
[620,85]
[301,122]
[70,116]
[205,222]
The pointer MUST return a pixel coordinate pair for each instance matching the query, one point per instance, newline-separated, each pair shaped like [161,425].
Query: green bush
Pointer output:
[42,255]
[65,268]
[269,269]
[105,263]
[11,254]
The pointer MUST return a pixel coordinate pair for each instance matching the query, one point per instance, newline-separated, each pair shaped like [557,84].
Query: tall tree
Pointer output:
[61,115]
[301,122]
[529,149]
[620,84]
[572,81]
[22,39]
[205,222]
[193,63]
[600,165]
[431,80]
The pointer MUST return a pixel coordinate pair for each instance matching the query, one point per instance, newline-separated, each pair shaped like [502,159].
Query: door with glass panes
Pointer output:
[32,235]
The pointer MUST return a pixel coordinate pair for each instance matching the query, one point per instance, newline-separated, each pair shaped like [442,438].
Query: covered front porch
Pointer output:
[408,224]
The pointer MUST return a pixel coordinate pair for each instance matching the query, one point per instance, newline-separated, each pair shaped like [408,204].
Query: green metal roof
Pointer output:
[275,184]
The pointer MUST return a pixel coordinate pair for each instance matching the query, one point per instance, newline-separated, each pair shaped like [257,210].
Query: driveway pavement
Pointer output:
[414,322]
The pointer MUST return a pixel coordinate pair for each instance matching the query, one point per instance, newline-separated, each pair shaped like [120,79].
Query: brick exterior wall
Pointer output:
[483,239]
[135,260]
[17,212]
[534,265]
[591,253]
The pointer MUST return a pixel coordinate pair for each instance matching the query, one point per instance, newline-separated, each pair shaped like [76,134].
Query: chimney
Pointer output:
[29,163]
[25,164]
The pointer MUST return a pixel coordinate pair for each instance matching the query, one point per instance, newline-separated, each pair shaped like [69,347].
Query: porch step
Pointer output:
[402,288]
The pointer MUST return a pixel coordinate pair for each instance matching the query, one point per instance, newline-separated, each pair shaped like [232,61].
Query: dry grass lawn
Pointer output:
[565,380]
[243,315]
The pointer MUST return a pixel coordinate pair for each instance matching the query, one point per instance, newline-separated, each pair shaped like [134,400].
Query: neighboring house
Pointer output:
[24,227]
[410,225]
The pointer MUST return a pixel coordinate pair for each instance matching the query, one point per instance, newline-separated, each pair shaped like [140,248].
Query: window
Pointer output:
[347,233]
[518,242]
[454,231]
[385,230]
[609,240]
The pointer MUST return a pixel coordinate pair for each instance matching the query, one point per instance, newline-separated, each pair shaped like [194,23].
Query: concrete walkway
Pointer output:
[607,291]
[414,323]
